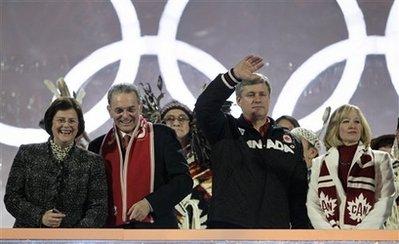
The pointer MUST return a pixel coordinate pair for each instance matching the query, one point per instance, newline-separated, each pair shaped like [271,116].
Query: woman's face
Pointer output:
[65,127]
[350,128]
[309,152]
[179,121]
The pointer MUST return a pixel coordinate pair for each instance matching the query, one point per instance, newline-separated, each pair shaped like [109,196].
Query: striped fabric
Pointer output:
[360,193]
[328,196]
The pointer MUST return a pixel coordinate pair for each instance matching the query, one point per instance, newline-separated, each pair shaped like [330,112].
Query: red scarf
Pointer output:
[360,197]
[133,178]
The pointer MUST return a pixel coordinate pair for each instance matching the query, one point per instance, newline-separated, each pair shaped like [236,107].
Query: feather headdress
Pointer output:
[60,89]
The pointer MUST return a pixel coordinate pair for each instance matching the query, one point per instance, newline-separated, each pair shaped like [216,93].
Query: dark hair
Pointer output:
[382,141]
[176,105]
[63,103]
[291,119]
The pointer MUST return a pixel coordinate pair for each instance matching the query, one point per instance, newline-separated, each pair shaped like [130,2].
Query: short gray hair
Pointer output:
[123,88]
[263,79]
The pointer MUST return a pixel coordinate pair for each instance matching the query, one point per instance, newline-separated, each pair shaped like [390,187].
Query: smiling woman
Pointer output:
[351,186]
[64,129]
[57,184]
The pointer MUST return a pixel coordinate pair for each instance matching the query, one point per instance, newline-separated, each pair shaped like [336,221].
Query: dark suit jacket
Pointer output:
[75,186]
[172,181]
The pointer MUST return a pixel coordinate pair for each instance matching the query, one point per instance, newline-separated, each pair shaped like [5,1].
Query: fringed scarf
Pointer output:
[131,179]
[192,211]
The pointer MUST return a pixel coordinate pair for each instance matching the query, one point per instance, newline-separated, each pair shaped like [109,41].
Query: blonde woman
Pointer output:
[351,186]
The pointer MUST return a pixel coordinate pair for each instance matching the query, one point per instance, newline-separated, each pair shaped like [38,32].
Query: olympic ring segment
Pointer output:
[129,51]
[354,50]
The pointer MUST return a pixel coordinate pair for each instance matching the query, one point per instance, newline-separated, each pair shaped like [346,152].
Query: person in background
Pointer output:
[383,143]
[310,143]
[147,173]
[192,211]
[57,184]
[287,122]
[389,143]
[259,175]
[351,186]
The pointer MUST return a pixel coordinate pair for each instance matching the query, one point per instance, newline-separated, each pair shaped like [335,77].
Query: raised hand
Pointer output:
[245,69]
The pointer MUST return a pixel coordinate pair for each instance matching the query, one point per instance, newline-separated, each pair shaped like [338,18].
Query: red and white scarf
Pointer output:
[131,179]
[359,198]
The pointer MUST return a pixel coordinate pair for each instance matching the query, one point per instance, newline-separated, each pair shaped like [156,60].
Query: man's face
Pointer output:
[254,101]
[309,152]
[125,109]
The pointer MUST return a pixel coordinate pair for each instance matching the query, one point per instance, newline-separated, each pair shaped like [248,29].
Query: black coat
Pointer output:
[172,181]
[75,186]
[258,181]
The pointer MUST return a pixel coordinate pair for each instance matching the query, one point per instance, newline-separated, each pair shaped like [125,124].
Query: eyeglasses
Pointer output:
[180,119]
[62,121]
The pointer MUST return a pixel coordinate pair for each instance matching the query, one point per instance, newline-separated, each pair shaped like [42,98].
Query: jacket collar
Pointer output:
[244,123]
[332,161]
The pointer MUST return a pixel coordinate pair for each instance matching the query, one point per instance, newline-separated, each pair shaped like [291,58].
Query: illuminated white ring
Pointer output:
[129,56]
[392,47]
[347,49]
[172,50]
[85,69]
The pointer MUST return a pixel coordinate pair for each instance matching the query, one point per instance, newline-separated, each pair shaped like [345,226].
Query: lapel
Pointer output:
[359,152]
[332,159]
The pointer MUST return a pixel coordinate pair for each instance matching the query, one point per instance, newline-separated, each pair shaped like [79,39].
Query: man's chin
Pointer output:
[257,116]
[126,129]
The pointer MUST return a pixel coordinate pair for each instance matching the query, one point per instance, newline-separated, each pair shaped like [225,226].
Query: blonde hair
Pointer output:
[332,138]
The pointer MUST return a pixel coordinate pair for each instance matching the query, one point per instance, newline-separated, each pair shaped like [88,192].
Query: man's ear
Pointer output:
[238,100]
[313,152]
[140,108]
[109,110]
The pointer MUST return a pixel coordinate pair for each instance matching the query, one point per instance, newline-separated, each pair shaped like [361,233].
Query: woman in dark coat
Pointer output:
[192,211]
[57,184]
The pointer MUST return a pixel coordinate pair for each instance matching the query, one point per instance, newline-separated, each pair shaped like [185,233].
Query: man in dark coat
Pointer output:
[259,173]
[147,174]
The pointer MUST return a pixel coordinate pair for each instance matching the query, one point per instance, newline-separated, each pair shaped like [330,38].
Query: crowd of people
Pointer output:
[205,168]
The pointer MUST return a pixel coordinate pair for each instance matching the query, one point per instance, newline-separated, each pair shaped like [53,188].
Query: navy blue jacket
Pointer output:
[259,181]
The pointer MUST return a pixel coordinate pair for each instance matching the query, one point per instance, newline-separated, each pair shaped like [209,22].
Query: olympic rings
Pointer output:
[169,50]
[354,50]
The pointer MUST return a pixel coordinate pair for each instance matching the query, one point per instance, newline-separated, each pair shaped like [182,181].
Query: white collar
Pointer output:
[123,134]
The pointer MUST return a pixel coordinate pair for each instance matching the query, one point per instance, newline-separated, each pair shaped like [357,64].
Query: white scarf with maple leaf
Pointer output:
[360,193]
